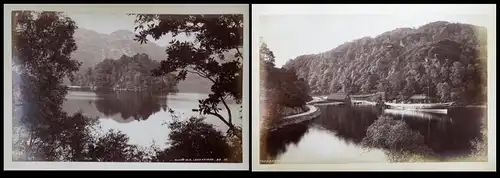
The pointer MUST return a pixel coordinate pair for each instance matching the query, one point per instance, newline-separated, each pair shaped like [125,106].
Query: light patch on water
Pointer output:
[141,133]
[323,147]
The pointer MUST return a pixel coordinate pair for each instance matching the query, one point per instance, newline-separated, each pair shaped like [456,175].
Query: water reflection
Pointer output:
[336,150]
[122,107]
[447,135]
[450,134]
[141,116]
[275,142]
[350,124]
[136,105]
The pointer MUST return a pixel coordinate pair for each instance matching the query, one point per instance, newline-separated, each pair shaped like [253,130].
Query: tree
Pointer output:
[132,73]
[103,74]
[282,87]
[443,91]
[194,139]
[42,45]
[457,73]
[216,35]
[265,53]
[267,59]
[89,77]
[114,147]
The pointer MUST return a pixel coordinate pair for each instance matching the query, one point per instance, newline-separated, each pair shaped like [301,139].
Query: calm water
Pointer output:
[337,135]
[140,115]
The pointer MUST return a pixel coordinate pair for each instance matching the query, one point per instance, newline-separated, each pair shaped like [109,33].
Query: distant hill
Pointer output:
[441,59]
[94,47]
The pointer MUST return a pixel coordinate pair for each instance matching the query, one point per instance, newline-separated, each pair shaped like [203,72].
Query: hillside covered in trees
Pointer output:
[127,73]
[440,59]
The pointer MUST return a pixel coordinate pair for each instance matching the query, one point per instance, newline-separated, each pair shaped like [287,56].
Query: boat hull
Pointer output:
[437,111]
[419,106]
[415,113]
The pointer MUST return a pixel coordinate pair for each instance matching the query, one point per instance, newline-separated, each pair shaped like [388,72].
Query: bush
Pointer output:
[395,136]
[194,139]
[480,152]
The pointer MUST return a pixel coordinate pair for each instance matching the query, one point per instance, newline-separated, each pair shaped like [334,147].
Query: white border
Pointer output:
[123,8]
[284,9]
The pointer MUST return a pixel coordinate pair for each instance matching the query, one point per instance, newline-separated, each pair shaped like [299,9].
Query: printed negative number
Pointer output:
[268,161]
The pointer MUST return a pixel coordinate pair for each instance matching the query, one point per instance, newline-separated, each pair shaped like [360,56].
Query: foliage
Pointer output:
[215,35]
[194,139]
[281,87]
[59,140]
[480,152]
[114,147]
[42,44]
[440,59]
[396,136]
[127,73]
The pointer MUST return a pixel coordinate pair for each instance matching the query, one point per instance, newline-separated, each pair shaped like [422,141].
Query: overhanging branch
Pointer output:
[222,119]
[228,110]
[231,126]
[201,74]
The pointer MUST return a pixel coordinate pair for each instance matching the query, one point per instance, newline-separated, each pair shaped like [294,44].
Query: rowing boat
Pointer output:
[420,106]
[415,113]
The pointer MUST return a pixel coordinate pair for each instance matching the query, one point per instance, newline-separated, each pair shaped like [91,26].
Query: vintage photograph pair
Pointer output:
[275,88]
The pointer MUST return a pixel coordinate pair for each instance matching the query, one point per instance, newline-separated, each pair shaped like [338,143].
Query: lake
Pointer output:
[339,135]
[141,115]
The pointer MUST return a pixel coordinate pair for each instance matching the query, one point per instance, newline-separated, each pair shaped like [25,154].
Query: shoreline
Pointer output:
[312,113]
[319,101]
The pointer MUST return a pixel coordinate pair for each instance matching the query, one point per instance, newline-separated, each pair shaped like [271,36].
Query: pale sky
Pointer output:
[290,35]
[107,23]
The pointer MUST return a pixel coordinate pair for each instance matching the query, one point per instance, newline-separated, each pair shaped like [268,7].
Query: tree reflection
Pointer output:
[348,123]
[273,143]
[138,105]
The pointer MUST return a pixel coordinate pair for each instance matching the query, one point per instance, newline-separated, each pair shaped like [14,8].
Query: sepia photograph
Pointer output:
[374,84]
[127,86]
